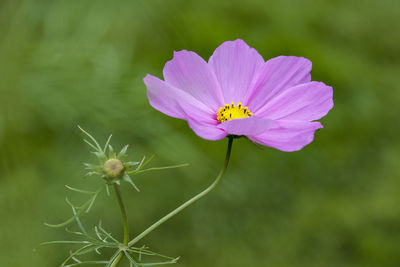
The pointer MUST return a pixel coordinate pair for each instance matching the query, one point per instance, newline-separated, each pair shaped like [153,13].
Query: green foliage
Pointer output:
[77,210]
[101,238]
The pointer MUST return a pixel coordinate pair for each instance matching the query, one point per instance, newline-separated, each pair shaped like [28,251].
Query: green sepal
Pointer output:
[122,154]
[101,156]
[128,179]
[111,153]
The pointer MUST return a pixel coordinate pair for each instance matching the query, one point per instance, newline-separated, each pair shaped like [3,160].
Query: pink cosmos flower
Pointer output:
[272,103]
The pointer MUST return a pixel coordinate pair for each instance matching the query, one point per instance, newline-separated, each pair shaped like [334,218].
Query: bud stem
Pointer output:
[123,213]
[124,221]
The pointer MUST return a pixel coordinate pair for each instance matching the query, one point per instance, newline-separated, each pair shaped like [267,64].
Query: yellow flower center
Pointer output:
[231,112]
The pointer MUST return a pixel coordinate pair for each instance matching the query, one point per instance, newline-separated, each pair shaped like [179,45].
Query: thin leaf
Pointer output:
[91,137]
[91,145]
[61,224]
[107,143]
[161,168]
[76,260]
[74,232]
[86,262]
[98,234]
[149,253]
[77,218]
[160,263]
[88,250]
[147,161]
[80,190]
[107,234]
[91,202]
[75,253]
[131,260]
[140,252]
[97,251]
[141,163]
[64,242]
[131,163]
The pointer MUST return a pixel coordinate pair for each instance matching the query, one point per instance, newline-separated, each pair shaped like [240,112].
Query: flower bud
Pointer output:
[113,168]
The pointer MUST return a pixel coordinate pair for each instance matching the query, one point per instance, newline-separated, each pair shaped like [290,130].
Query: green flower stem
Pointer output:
[123,213]
[117,259]
[125,223]
[190,201]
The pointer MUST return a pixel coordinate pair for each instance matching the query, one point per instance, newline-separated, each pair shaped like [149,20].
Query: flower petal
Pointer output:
[277,75]
[207,131]
[236,65]
[190,73]
[305,102]
[247,126]
[289,135]
[179,104]
[172,101]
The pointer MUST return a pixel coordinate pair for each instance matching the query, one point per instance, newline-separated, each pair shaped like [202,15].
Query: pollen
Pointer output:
[231,112]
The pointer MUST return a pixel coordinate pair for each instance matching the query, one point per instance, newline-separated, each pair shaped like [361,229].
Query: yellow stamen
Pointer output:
[231,112]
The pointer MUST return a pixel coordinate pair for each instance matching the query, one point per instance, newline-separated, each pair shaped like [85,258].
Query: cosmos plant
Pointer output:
[235,94]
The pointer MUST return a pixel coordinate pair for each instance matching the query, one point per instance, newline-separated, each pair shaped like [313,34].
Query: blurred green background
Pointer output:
[334,203]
